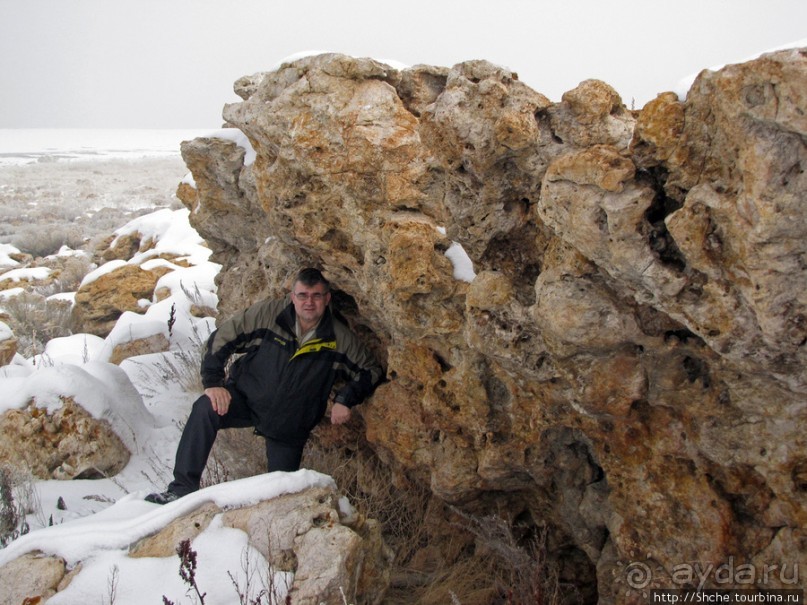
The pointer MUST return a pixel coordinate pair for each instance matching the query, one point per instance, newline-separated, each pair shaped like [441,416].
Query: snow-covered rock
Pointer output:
[57,422]
[286,533]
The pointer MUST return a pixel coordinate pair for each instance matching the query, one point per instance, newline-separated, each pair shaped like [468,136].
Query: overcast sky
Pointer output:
[171,63]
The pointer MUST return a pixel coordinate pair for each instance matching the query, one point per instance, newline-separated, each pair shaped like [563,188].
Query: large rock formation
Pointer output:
[627,367]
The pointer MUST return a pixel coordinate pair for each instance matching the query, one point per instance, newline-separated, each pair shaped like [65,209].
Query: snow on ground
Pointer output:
[10,293]
[146,401]
[6,251]
[27,274]
[102,540]
[142,399]
[100,519]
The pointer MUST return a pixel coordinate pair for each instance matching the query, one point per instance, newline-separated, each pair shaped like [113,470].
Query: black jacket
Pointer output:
[286,385]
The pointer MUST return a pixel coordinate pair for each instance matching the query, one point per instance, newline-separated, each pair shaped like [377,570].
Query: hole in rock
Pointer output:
[799,476]
[566,470]
[522,206]
[346,309]
[660,240]
[696,368]
[341,242]
[516,255]
[682,335]
[444,365]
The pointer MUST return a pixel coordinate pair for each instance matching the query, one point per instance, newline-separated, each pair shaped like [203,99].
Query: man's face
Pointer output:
[309,302]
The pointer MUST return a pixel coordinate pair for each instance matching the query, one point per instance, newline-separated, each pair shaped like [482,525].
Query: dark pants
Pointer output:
[200,432]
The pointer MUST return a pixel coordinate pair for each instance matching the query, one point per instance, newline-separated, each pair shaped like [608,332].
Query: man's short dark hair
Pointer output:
[311,277]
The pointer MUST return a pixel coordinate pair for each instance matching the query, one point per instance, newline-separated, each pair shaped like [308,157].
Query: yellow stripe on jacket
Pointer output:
[315,346]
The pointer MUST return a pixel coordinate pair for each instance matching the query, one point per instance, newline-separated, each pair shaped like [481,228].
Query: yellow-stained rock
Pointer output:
[628,368]
[100,303]
[67,443]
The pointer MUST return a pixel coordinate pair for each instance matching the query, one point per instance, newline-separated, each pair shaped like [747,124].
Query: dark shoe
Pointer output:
[162,498]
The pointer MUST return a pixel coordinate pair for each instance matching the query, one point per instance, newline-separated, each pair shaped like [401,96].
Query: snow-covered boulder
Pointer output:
[57,422]
[108,292]
[38,276]
[289,534]
[31,576]
[10,256]
[65,444]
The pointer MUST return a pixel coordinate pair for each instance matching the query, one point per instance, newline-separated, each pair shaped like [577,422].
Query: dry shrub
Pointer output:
[178,366]
[523,569]
[482,564]
[399,505]
[42,240]
[18,499]
[432,564]
[9,511]
[72,271]
[35,320]
[33,316]
[469,581]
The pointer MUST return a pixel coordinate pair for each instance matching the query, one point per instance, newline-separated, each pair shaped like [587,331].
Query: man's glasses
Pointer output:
[305,296]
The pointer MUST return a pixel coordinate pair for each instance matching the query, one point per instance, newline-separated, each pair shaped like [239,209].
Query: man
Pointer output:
[293,353]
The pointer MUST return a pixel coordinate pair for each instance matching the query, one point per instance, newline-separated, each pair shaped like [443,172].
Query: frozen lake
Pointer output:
[20,146]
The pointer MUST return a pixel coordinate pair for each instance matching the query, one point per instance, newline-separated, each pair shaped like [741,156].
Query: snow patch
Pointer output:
[239,138]
[28,274]
[463,265]
[6,250]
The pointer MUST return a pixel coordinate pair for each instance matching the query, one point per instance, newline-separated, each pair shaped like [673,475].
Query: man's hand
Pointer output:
[339,413]
[220,399]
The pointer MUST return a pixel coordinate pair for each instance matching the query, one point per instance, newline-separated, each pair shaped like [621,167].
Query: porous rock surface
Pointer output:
[65,443]
[627,367]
